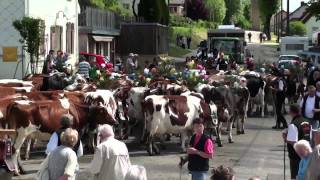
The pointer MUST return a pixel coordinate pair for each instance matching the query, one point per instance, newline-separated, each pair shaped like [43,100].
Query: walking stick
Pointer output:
[180,172]
[284,161]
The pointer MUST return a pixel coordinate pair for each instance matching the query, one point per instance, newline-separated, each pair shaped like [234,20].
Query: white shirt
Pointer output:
[292,135]
[53,144]
[110,160]
[309,106]
[318,93]
[281,85]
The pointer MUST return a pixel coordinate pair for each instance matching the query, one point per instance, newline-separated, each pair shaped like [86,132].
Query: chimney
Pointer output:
[303,3]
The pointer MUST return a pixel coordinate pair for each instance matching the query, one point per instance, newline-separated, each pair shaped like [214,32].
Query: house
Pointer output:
[275,24]
[98,30]
[177,7]
[312,25]
[61,29]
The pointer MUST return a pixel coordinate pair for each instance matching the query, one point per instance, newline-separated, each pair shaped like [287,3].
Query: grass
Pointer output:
[176,51]
[196,34]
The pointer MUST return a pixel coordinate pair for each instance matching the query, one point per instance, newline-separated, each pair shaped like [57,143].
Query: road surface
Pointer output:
[258,152]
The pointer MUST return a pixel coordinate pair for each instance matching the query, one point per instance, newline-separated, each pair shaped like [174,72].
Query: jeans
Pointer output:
[199,175]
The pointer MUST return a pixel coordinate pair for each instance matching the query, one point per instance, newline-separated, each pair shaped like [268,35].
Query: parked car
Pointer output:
[288,61]
[100,61]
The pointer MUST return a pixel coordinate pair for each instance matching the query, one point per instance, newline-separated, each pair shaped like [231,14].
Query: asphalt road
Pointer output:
[258,152]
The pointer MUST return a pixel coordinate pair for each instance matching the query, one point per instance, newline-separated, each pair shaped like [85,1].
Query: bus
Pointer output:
[230,40]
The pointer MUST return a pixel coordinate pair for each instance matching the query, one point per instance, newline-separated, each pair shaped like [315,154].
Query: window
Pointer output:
[98,48]
[70,38]
[56,37]
[294,47]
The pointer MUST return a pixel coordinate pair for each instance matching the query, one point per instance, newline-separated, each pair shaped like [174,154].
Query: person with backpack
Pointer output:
[298,129]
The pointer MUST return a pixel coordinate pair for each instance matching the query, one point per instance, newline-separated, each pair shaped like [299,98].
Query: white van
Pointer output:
[293,45]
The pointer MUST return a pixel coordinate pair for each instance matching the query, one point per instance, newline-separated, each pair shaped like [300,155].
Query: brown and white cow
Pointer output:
[173,115]
[27,116]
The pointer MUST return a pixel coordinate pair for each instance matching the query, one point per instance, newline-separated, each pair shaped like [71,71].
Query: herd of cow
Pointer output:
[163,108]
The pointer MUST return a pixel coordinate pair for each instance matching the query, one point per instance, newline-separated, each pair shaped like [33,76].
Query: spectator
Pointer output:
[310,107]
[62,162]
[188,42]
[118,65]
[146,69]
[312,171]
[318,89]
[222,63]
[261,36]
[84,68]
[55,141]
[131,64]
[249,36]
[111,158]
[299,129]
[280,89]
[200,151]
[303,149]
[154,63]
[222,173]
[60,61]
[48,63]
[136,173]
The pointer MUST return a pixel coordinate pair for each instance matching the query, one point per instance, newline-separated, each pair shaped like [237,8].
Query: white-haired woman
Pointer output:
[304,150]
[136,172]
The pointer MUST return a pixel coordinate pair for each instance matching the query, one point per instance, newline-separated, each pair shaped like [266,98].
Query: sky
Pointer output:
[294,4]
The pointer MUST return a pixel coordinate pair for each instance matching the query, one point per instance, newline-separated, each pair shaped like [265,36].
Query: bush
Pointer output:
[180,21]
[297,28]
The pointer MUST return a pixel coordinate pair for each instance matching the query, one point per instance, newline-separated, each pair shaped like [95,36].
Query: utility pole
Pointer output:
[288,18]
[281,21]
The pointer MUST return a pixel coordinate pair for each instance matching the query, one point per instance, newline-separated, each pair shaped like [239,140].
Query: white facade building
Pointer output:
[61,31]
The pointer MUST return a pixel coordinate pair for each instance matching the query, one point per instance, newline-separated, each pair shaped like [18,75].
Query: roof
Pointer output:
[298,13]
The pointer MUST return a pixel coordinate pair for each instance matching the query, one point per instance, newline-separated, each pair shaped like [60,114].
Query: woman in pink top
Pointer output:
[200,151]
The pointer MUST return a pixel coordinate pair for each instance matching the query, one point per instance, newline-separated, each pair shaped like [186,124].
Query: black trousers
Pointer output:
[294,168]
[280,98]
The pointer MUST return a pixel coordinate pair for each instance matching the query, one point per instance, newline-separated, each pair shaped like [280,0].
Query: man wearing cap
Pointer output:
[200,151]
[111,157]
[131,63]
[298,129]
[312,171]
[54,142]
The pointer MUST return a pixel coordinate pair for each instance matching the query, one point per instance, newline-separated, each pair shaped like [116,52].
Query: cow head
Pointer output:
[134,101]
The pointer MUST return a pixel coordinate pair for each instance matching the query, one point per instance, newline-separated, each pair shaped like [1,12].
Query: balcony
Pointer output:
[97,21]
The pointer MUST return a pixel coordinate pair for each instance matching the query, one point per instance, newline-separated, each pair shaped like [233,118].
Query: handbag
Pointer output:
[43,173]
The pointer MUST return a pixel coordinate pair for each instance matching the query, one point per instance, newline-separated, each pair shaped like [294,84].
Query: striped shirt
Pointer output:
[84,68]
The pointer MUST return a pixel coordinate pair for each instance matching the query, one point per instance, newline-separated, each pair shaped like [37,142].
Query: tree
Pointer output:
[314,8]
[297,28]
[32,35]
[267,9]
[154,11]
[234,8]
[196,9]
[111,5]
[216,9]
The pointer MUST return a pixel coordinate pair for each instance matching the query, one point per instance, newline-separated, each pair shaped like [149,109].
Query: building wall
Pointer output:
[312,26]
[10,11]
[57,12]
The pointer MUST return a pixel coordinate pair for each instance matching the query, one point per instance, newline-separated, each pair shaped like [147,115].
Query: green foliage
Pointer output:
[176,51]
[217,10]
[185,22]
[297,28]
[234,9]
[267,9]
[32,33]
[154,11]
[314,8]
[112,5]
